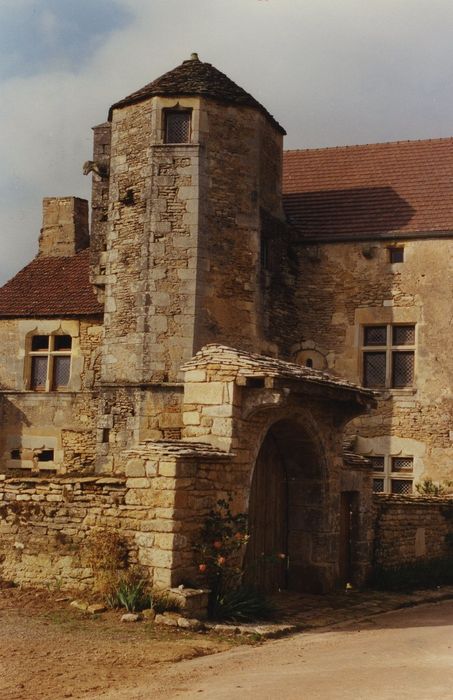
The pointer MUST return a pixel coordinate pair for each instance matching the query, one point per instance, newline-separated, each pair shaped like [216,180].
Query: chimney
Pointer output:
[64,226]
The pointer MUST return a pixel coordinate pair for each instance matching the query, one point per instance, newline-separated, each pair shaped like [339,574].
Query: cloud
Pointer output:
[331,73]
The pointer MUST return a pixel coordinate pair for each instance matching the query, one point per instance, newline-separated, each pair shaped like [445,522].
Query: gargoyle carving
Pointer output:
[91,166]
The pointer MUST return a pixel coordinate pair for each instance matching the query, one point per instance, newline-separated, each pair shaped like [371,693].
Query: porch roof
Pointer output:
[247,365]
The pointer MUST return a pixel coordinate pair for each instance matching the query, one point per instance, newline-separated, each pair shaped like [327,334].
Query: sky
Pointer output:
[332,72]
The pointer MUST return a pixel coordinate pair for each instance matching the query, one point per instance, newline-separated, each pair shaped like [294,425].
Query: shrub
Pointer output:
[220,549]
[243,604]
[130,594]
[417,574]
[107,554]
[428,487]
[161,602]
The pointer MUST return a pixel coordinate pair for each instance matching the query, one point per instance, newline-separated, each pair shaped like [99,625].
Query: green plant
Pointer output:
[220,550]
[219,547]
[107,555]
[161,602]
[242,604]
[130,595]
[428,487]
[428,573]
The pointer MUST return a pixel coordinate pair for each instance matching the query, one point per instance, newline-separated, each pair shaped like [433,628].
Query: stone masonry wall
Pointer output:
[99,206]
[157,508]
[151,249]
[411,528]
[65,420]
[241,177]
[345,286]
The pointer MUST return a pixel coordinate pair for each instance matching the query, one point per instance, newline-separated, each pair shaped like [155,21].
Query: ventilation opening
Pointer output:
[396,255]
[15,454]
[45,456]
[105,434]
[255,382]
[308,362]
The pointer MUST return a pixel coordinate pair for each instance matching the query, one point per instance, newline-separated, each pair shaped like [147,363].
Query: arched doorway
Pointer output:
[289,541]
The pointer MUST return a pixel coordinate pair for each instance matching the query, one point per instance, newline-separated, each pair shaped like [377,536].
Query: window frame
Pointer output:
[388,474]
[176,110]
[395,251]
[389,349]
[51,355]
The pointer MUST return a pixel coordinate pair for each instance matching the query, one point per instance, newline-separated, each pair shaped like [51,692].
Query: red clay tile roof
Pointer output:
[194,77]
[371,191]
[51,287]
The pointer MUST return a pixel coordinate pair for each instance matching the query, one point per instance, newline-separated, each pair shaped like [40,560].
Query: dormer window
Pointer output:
[177,126]
[50,362]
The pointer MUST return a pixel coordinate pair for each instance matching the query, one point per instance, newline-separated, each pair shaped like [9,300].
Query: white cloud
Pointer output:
[48,25]
[331,73]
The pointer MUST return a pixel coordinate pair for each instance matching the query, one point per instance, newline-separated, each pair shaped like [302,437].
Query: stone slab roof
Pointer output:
[381,190]
[178,448]
[193,77]
[51,286]
[248,364]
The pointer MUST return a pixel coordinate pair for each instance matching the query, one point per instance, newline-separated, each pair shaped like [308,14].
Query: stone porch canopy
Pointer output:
[226,390]
[260,371]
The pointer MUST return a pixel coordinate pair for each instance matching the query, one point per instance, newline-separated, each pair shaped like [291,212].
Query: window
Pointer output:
[45,456]
[50,362]
[392,474]
[177,126]
[396,254]
[388,356]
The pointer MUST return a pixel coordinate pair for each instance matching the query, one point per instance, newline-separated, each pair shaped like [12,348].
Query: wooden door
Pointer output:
[348,535]
[264,566]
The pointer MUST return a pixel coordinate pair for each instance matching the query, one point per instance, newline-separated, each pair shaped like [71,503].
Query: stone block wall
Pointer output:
[99,206]
[409,529]
[348,285]
[63,421]
[156,507]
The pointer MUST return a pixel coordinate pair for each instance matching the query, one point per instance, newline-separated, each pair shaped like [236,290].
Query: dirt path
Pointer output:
[49,651]
[406,654]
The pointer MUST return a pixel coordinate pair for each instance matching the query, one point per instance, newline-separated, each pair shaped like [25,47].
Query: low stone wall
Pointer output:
[411,528]
[157,507]
[44,524]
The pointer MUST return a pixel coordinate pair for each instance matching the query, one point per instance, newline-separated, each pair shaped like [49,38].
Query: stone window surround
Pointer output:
[389,348]
[29,328]
[389,446]
[388,475]
[29,448]
[167,114]
[161,105]
[386,315]
[50,354]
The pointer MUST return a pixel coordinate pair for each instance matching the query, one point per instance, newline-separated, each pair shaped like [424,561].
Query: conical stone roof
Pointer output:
[193,77]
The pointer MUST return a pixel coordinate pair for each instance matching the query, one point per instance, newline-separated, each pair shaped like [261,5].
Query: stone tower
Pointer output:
[185,172]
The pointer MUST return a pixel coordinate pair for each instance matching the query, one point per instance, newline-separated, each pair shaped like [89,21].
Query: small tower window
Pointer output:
[177,126]
[396,254]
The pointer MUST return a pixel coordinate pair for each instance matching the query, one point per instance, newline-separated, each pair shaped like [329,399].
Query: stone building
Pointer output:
[209,338]
[375,240]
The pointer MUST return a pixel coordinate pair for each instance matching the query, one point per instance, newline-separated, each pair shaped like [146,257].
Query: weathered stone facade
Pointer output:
[199,346]
[412,529]
[346,291]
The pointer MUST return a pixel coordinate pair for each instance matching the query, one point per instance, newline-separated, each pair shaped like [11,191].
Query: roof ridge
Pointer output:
[364,145]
